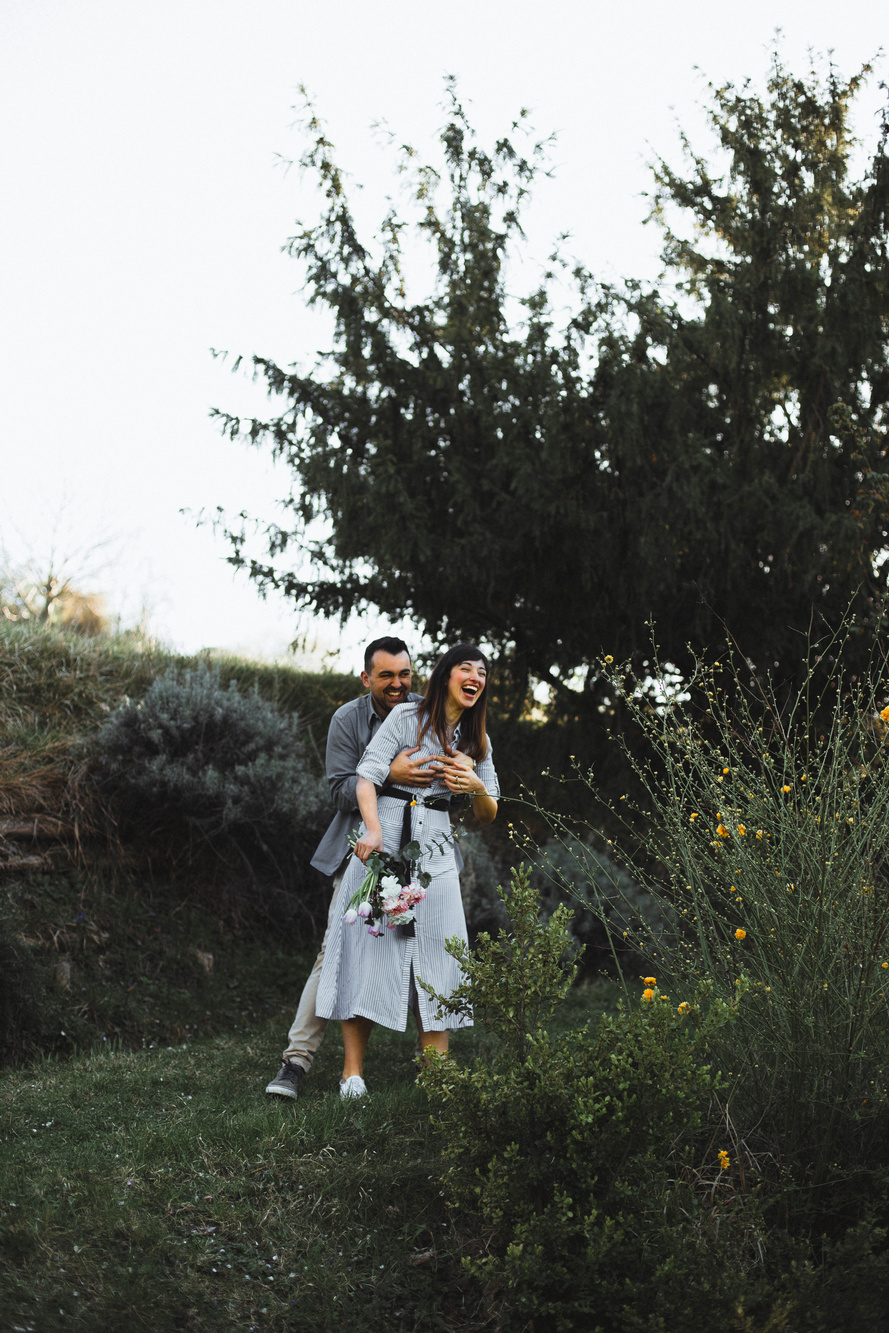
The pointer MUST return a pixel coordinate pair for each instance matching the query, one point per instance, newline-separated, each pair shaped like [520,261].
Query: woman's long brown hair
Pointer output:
[432,709]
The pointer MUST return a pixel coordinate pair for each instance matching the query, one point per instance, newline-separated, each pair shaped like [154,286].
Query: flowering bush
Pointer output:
[763,831]
[588,1174]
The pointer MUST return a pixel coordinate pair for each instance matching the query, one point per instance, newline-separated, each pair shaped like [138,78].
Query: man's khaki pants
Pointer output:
[307,1030]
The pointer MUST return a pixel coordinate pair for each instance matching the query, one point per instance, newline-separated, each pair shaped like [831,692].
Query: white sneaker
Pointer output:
[354,1086]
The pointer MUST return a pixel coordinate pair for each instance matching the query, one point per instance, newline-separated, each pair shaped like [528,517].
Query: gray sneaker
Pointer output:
[286,1082]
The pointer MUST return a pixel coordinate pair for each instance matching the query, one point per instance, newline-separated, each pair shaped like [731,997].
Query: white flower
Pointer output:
[389,885]
[364,909]
[350,917]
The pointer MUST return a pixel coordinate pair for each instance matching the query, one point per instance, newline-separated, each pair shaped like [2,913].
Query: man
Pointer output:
[387,678]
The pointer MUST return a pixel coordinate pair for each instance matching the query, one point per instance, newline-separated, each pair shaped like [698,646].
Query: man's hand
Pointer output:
[407,772]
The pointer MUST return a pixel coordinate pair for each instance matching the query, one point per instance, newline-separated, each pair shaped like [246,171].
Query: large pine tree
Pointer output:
[706,453]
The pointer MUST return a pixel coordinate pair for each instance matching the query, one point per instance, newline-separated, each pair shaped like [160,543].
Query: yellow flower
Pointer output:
[740,934]
[683,1008]
[726,770]
[742,829]
[884,965]
[724,1161]
[786,788]
[413,802]
[648,995]
[733,889]
[649,981]
[885,714]
[609,658]
[691,817]
[759,834]
[722,830]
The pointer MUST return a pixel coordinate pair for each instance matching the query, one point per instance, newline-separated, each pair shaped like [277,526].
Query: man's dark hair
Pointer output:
[386,645]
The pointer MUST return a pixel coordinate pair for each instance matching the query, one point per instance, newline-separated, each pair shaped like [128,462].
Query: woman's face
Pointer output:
[466,683]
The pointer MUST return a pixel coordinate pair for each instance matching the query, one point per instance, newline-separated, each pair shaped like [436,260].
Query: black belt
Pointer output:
[410,799]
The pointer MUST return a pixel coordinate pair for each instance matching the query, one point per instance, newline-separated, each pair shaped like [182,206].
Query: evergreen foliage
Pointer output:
[707,452]
[226,769]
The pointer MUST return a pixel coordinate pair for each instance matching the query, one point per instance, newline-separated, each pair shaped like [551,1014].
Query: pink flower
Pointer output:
[402,918]
[350,917]
[375,930]
[364,909]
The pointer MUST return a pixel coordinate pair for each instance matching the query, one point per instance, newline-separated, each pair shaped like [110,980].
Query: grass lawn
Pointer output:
[162,1189]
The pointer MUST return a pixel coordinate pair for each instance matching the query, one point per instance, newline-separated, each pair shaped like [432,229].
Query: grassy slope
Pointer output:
[162,1189]
[152,1177]
[55,688]
[132,960]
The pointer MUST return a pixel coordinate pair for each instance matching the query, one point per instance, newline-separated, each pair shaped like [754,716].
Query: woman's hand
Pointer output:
[370,841]
[458,774]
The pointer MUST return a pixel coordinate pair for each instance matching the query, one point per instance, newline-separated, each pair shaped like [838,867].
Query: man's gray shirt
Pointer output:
[350,732]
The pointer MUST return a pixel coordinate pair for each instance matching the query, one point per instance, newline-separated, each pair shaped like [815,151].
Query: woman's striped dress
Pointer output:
[371,976]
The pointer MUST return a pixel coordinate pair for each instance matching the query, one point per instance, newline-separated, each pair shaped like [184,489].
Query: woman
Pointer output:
[372,979]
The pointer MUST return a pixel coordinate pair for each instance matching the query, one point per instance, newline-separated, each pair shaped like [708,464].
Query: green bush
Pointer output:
[594,1175]
[572,1156]
[215,769]
[605,903]
[482,904]
[763,830]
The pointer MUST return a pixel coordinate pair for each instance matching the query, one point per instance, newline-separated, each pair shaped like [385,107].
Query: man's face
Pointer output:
[389,680]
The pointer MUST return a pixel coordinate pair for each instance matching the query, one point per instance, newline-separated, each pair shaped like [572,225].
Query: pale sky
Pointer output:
[144,208]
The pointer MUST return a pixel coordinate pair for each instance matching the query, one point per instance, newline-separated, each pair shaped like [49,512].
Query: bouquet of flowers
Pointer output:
[390,890]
